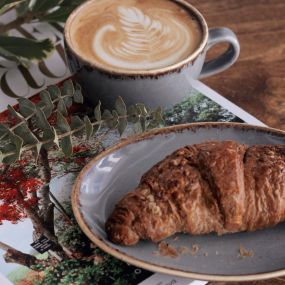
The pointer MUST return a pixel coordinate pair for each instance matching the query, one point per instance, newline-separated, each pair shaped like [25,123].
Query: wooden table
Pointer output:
[257,81]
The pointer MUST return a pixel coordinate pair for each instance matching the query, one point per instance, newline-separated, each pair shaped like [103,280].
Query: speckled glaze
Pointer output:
[159,87]
[118,170]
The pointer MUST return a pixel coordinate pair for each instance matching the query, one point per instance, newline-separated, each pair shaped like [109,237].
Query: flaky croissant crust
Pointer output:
[221,187]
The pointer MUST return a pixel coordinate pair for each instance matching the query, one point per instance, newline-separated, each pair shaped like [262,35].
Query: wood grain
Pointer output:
[277,281]
[257,81]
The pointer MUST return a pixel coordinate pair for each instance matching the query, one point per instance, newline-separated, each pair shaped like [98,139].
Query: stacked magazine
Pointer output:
[200,104]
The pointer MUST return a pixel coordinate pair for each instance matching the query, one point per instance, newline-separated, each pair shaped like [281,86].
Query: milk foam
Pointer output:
[134,35]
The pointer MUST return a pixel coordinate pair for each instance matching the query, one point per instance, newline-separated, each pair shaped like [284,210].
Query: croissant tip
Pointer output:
[121,234]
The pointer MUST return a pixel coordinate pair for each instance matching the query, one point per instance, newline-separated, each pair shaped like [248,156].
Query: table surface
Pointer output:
[257,81]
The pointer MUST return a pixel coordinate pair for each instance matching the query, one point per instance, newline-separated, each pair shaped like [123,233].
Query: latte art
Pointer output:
[147,43]
[136,34]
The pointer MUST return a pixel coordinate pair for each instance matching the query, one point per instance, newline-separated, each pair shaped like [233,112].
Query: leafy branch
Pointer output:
[40,126]
[23,50]
[35,130]
[49,98]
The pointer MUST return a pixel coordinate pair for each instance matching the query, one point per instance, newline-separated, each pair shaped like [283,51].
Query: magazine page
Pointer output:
[200,104]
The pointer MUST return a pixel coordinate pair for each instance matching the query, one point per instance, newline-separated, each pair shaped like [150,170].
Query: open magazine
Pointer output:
[201,104]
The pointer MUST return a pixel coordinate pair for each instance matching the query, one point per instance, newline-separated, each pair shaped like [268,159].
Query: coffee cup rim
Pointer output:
[141,73]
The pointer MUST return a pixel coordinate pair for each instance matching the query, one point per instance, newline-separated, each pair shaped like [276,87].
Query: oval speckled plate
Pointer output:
[118,170]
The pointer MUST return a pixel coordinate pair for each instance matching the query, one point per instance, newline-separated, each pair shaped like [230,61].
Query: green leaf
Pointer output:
[5,5]
[132,114]
[156,119]
[41,120]
[59,15]
[68,101]
[22,8]
[26,107]
[50,134]
[152,124]
[61,107]
[17,142]
[109,119]
[62,123]
[4,130]
[8,147]
[97,127]
[23,48]
[121,106]
[54,92]
[46,102]
[122,125]
[10,159]
[66,146]
[97,112]
[113,121]
[44,5]
[15,114]
[98,117]
[141,109]
[107,115]
[78,97]
[67,88]
[88,127]
[158,116]
[76,123]
[142,123]
[10,56]
[115,115]
[26,134]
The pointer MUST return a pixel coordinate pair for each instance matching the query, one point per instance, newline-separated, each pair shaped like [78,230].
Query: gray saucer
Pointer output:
[118,170]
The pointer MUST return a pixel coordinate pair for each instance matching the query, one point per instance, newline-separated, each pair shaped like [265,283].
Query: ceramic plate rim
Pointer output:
[148,265]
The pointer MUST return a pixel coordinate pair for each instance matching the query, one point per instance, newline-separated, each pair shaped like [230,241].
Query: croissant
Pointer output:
[221,187]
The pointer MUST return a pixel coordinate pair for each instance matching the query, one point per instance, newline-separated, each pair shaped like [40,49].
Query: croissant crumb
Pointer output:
[183,250]
[243,252]
[194,249]
[166,249]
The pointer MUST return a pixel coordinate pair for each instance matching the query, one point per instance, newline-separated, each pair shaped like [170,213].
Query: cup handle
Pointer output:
[225,60]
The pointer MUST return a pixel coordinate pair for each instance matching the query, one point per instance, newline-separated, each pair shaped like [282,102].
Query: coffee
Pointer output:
[124,35]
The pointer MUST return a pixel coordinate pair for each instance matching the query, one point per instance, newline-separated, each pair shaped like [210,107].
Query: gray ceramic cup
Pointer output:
[158,87]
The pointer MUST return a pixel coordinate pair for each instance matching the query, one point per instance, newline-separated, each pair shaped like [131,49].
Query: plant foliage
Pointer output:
[103,270]
[198,108]
[23,50]
[47,123]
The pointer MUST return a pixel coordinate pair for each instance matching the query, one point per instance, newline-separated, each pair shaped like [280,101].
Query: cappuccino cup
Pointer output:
[142,50]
